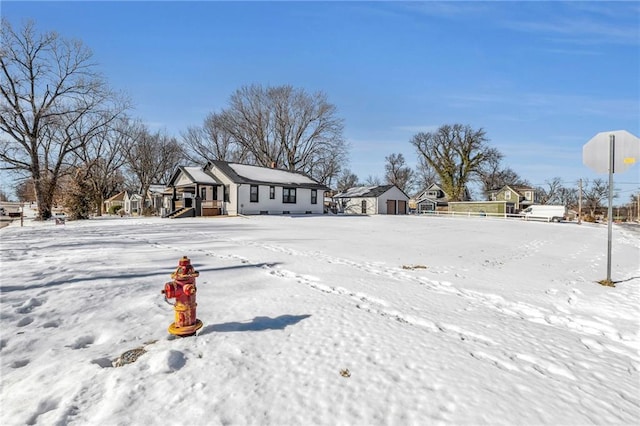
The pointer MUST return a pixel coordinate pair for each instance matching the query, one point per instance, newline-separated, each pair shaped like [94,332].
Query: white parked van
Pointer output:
[546,212]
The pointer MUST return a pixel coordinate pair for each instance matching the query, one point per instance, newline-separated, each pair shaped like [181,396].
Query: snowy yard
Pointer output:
[438,321]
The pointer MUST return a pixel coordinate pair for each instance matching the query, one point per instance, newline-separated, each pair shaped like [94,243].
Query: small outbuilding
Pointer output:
[370,200]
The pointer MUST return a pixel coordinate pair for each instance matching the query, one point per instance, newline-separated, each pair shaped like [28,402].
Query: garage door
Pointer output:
[391,206]
[402,207]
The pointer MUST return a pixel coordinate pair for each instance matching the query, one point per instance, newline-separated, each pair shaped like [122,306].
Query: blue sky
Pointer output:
[542,78]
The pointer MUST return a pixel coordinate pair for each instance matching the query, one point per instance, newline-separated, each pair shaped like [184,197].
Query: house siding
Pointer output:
[230,207]
[276,205]
[354,205]
[240,198]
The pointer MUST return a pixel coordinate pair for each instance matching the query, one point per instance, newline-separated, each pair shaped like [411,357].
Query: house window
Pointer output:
[507,195]
[289,195]
[314,196]
[527,195]
[253,194]
[272,192]
[203,193]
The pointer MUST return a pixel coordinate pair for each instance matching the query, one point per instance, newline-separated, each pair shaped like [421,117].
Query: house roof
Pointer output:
[118,197]
[195,174]
[157,188]
[364,191]
[243,173]
[517,189]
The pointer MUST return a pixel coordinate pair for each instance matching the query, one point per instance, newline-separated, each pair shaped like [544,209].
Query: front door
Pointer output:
[363,206]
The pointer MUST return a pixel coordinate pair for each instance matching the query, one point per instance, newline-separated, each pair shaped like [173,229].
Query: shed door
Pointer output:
[402,207]
[391,206]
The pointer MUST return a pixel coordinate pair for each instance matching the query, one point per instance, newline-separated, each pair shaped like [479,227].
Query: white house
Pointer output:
[233,189]
[382,199]
[132,204]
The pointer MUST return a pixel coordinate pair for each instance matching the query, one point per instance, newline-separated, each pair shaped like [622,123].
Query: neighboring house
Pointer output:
[116,200]
[520,196]
[233,189]
[132,204]
[382,199]
[434,198]
[155,198]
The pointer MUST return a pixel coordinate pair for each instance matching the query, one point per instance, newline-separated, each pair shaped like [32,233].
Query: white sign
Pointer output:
[595,153]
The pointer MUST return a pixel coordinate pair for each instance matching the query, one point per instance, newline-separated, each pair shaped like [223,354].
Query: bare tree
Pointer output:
[212,142]
[457,153]
[48,89]
[594,194]
[398,173]
[493,175]
[550,194]
[346,180]
[151,158]
[566,197]
[101,160]
[287,127]
[372,180]
[425,175]
[25,190]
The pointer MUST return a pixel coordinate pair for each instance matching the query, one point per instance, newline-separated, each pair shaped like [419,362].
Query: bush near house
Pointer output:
[114,209]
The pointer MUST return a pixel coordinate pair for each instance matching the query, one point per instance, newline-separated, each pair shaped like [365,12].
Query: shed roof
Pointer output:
[364,191]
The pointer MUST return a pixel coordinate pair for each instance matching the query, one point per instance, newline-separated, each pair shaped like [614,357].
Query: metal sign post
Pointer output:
[620,158]
[612,148]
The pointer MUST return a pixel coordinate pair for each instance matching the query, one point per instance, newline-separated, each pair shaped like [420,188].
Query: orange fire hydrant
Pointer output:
[183,289]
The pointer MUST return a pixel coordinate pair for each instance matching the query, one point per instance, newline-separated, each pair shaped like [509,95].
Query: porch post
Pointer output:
[198,206]
[173,198]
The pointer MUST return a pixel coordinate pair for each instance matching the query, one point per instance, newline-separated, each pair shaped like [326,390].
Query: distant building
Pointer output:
[520,197]
[381,199]
[434,198]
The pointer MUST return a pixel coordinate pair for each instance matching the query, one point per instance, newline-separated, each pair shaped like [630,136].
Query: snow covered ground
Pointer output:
[437,320]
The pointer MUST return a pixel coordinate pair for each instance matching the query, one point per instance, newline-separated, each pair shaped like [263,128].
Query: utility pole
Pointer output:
[580,203]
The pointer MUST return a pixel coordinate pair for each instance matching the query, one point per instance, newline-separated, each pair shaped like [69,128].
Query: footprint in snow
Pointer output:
[24,322]
[82,342]
[29,306]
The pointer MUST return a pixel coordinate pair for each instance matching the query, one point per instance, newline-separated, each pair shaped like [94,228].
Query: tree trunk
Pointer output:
[100,206]
[44,198]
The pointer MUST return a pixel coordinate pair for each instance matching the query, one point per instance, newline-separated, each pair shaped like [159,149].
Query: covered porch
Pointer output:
[192,193]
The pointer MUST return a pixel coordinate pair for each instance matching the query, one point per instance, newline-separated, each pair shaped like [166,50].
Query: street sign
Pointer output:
[611,152]
[595,153]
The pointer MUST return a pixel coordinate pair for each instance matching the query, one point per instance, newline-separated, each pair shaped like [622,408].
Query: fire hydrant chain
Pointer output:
[182,288]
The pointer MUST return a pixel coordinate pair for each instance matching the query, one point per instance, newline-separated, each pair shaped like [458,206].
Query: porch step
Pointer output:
[184,212]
